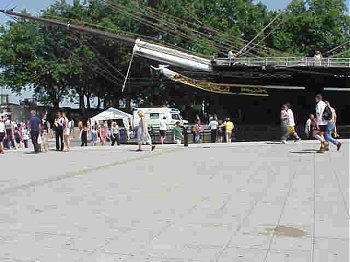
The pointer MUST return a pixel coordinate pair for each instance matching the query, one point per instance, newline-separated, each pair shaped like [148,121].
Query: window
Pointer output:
[154,115]
[175,116]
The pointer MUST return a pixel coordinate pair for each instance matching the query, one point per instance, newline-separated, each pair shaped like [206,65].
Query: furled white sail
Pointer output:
[171,57]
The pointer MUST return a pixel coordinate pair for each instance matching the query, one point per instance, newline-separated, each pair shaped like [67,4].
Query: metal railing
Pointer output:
[286,62]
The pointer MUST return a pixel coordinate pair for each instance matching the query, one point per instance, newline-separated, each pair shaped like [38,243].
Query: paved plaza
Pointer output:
[260,201]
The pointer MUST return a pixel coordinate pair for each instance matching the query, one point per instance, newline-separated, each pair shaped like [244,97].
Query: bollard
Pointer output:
[185,135]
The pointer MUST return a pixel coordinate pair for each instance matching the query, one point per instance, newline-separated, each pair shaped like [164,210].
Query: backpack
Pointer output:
[327,114]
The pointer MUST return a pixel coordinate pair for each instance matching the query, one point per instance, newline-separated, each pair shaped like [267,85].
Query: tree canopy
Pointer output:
[58,62]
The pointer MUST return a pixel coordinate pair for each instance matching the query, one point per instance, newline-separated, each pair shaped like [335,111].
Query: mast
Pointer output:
[158,53]
[122,39]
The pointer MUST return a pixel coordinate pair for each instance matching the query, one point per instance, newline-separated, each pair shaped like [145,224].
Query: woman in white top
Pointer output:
[143,136]
[66,133]
[2,134]
[284,124]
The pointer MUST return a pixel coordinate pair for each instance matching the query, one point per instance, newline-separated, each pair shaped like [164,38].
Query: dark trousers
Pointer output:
[10,139]
[84,138]
[115,138]
[59,138]
[34,135]
[213,134]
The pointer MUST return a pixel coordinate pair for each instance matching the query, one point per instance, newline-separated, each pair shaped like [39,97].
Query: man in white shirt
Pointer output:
[230,57]
[320,122]
[213,126]
[291,123]
[163,128]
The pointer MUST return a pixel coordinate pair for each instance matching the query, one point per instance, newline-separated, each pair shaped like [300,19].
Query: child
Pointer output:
[94,136]
[18,137]
[25,136]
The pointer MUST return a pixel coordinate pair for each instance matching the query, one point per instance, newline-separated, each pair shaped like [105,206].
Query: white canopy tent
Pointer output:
[113,114]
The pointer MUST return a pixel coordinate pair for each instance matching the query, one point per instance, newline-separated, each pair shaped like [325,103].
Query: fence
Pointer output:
[286,62]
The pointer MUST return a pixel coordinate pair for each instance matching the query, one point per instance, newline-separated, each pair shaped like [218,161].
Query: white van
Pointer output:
[154,115]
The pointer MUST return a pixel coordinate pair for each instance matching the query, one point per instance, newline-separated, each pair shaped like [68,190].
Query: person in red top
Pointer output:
[197,131]
[103,134]
[2,134]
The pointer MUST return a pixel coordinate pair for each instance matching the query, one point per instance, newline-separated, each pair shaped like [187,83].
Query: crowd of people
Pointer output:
[220,130]
[321,125]
[99,133]
[15,135]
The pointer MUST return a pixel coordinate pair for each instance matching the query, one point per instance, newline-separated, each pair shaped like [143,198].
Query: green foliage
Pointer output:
[58,62]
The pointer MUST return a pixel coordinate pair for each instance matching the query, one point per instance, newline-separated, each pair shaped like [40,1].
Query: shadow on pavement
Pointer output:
[305,151]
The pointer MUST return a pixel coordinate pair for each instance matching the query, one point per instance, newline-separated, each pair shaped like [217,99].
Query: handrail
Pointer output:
[285,62]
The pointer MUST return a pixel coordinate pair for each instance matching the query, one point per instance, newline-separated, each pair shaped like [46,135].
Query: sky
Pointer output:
[34,6]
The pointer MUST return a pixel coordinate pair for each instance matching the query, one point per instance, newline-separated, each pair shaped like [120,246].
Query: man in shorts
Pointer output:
[321,123]
[229,126]
[162,129]
[291,123]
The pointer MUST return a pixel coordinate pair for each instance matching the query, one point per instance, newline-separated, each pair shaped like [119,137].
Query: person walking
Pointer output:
[310,127]
[115,134]
[9,133]
[177,130]
[34,125]
[291,123]
[284,124]
[228,130]
[221,132]
[66,133]
[162,129]
[321,123]
[58,125]
[213,126]
[197,132]
[2,134]
[331,127]
[143,136]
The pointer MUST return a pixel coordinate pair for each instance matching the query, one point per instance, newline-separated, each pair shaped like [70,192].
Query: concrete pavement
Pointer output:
[261,201]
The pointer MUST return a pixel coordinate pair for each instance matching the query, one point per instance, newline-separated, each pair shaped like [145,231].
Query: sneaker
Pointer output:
[298,139]
[326,147]
[283,142]
[338,146]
